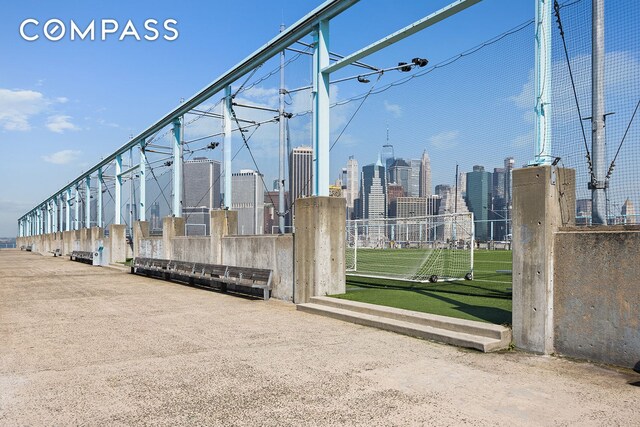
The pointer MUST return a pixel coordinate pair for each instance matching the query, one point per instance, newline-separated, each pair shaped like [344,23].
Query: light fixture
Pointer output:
[404,67]
[363,79]
[420,62]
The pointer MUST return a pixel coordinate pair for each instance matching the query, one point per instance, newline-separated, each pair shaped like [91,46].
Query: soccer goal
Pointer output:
[420,249]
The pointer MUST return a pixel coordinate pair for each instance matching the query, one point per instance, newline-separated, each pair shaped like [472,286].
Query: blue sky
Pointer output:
[65,104]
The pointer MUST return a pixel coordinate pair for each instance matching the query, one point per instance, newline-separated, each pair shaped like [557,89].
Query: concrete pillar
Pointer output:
[319,246]
[543,201]
[85,240]
[96,235]
[223,222]
[140,231]
[118,243]
[172,226]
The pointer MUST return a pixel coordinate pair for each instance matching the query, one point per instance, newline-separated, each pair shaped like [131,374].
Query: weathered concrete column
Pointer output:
[67,242]
[319,247]
[223,222]
[117,243]
[85,240]
[140,231]
[172,226]
[543,201]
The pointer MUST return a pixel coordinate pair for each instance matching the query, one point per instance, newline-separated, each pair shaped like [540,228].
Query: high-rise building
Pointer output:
[197,221]
[352,182]
[399,173]
[462,184]
[425,175]
[393,192]
[628,212]
[300,174]
[479,200]
[271,218]
[248,199]
[452,202]
[387,157]
[156,221]
[441,189]
[509,163]
[372,193]
[413,188]
[202,183]
[498,185]
[583,211]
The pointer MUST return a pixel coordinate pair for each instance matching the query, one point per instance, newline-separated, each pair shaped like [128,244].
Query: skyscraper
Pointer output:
[399,174]
[479,199]
[425,175]
[498,185]
[248,199]
[413,188]
[509,162]
[352,182]
[300,174]
[387,156]
[372,193]
[628,212]
[202,183]
[156,222]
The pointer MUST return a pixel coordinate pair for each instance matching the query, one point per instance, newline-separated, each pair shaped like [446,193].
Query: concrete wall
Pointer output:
[597,294]
[151,247]
[191,248]
[265,251]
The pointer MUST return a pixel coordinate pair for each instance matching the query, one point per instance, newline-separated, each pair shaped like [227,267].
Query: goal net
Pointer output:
[420,249]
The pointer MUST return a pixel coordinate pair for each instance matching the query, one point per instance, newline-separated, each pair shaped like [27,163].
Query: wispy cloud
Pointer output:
[18,106]
[59,123]
[62,157]
[394,109]
[445,140]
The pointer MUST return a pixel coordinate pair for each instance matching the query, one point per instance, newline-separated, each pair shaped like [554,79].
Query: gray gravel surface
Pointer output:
[82,345]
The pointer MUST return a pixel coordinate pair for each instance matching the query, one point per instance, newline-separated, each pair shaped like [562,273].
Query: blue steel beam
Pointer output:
[298,30]
[405,32]
[142,214]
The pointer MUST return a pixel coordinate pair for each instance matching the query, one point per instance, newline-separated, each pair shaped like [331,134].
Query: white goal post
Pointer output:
[420,249]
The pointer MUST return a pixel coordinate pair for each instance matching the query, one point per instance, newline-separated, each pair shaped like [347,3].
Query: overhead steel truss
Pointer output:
[46,216]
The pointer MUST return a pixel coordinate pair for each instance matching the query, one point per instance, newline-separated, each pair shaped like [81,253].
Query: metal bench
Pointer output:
[219,277]
[56,253]
[82,256]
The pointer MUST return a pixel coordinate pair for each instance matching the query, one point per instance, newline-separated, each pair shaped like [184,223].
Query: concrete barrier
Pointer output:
[597,294]
[274,252]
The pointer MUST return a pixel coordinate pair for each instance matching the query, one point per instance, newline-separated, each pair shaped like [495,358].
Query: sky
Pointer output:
[66,104]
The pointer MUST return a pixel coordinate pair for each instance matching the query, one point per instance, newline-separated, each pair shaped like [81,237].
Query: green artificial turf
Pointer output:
[486,298]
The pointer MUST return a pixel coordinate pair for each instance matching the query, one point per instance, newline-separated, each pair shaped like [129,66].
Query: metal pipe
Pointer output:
[598,184]
[283,153]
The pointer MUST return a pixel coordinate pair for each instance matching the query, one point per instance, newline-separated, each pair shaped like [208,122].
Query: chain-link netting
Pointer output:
[621,93]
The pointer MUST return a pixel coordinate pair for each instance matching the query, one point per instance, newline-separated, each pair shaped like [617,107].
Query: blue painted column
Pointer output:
[226,113]
[118,190]
[99,201]
[67,225]
[544,14]
[76,205]
[142,214]
[177,168]
[87,202]
[321,111]
[55,214]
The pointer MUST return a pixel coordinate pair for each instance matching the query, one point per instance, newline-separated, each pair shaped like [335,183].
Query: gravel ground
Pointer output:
[82,345]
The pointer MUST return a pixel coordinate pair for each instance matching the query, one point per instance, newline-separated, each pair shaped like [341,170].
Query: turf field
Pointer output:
[486,298]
